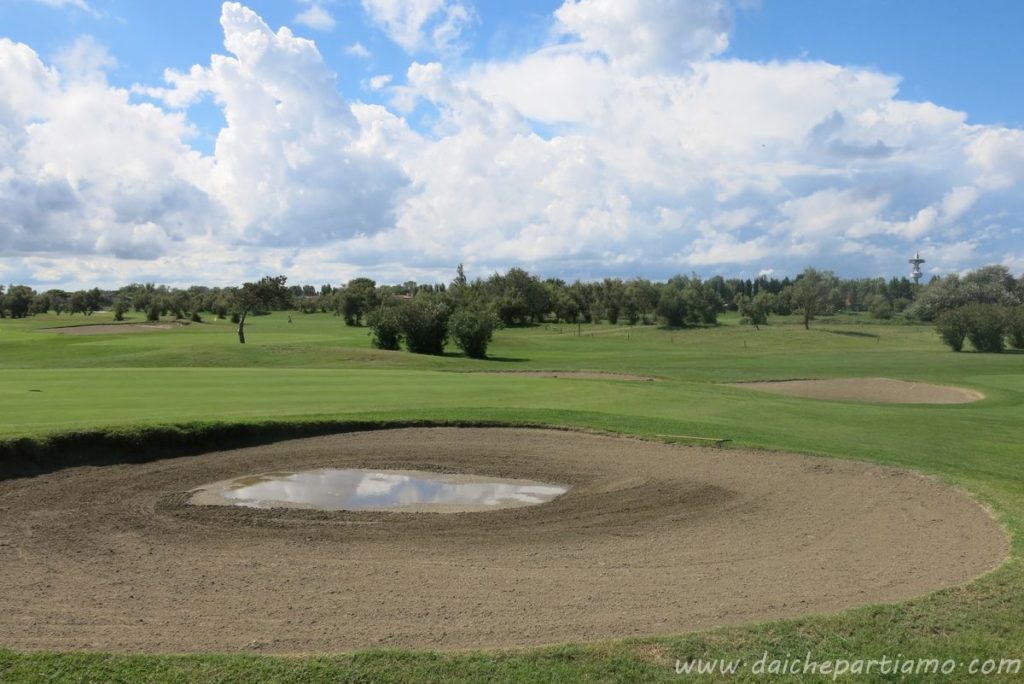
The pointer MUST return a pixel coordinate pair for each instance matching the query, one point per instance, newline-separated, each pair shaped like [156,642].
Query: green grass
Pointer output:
[317,369]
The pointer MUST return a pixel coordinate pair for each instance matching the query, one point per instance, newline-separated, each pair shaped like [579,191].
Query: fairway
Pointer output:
[317,369]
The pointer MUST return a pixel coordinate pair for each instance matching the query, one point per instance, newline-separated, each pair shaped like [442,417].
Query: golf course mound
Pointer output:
[648,538]
[880,390]
[112,328]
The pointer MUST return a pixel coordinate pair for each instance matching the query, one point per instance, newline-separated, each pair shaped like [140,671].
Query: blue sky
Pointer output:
[963,55]
[908,177]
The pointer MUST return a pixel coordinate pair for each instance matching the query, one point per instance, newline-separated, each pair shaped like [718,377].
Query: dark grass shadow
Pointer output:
[499,359]
[851,333]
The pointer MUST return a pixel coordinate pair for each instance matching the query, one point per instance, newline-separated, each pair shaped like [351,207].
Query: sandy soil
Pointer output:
[650,539]
[112,328]
[881,390]
[593,375]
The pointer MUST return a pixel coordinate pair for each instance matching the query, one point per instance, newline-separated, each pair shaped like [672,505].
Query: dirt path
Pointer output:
[650,539]
[881,390]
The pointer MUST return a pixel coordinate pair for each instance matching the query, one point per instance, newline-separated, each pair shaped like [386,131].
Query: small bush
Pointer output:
[952,328]
[153,312]
[881,308]
[196,317]
[385,328]
[1015,327]
[986,326]
[424,324]
[472,330]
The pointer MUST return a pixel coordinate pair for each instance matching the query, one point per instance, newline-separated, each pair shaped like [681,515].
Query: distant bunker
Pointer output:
[647,538]
[877,390]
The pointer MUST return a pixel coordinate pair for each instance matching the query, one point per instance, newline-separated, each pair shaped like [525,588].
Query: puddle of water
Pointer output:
[331,489]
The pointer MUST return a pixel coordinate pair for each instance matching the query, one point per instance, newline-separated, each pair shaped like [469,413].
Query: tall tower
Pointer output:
[915,273]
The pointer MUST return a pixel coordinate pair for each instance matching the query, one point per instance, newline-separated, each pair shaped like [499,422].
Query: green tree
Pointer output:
[1015,327]
[18,300]
[756,309]
[385,328]
[120,307]
[986,326]
[812,293]
[265,294]
[952,326]
[472,328]
[672,307]
[424,321]
[356,299]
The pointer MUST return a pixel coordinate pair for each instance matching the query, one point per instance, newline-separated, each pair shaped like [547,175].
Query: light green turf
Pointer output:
[316,367]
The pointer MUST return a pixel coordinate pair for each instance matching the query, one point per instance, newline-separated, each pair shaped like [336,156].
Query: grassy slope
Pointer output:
[317,367]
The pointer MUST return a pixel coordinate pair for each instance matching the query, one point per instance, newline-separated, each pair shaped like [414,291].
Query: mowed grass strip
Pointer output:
[316,368]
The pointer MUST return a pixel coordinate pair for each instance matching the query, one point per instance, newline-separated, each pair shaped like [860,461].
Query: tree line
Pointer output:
[980,306]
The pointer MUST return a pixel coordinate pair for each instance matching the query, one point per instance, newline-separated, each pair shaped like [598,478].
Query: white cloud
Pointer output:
[418,25]
[603,155]
[288,166]
[359,50]
[77,4]
[84,58]
[316,17]
[379,82]
[643,34]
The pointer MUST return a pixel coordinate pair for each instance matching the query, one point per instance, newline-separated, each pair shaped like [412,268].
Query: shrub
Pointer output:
[472,329]
[153,312]
[881,308]
[952,327]
[385,328]
[424,325]
[196,317]
[986,326]
[120,307]
[1015,327]
[672,307]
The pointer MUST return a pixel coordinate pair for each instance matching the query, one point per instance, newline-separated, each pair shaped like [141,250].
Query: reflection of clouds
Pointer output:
[334,489]
[376,484]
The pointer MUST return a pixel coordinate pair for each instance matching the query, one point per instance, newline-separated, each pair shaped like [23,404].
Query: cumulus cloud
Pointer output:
[83,165]
[316,17]
[84,58]
[646,34]
[621,148]
[418,25]
[289,166]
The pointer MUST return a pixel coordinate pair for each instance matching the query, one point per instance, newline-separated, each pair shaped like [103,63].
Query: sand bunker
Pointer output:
[593,375]
[650,539]
[112,328]
[882,390]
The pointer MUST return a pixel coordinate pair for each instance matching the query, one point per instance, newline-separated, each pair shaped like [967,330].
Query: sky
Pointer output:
[201,142]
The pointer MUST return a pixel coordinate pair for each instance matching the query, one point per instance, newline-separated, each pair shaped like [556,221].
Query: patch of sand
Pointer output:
[881,390]
[650,539]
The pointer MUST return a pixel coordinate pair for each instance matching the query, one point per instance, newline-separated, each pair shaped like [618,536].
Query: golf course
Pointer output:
[84,411]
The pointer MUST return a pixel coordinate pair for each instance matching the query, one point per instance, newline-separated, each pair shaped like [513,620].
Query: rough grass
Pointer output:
[315,374]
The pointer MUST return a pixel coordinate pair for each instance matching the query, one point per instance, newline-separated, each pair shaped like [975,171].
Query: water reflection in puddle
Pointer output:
[331,489]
